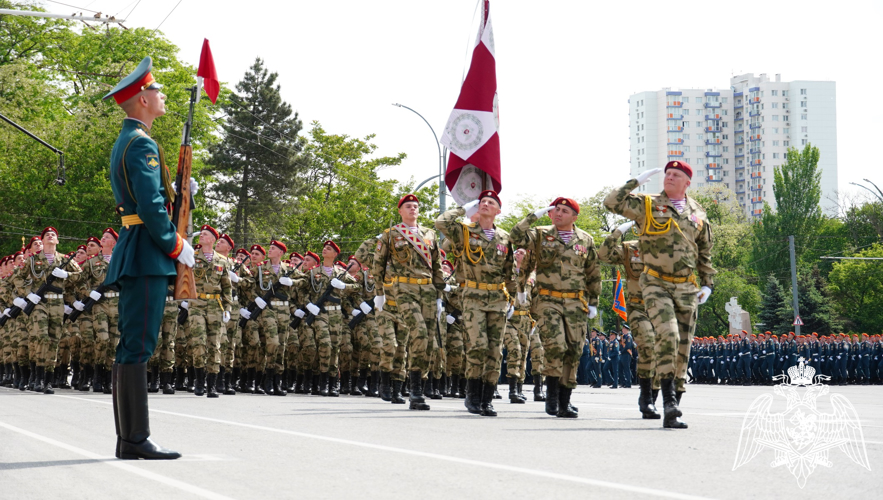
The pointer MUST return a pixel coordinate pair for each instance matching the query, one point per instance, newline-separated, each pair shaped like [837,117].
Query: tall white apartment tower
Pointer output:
[737,136]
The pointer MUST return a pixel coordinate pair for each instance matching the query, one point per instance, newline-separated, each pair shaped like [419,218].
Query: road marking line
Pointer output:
[113,462]
[447,458]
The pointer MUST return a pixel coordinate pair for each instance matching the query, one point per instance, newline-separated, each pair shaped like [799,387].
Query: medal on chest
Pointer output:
[502,249]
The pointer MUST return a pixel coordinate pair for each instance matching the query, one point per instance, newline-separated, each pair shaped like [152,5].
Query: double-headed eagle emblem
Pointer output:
[801,436]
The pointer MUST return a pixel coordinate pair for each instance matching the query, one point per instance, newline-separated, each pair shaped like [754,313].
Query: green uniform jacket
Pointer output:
[147,249]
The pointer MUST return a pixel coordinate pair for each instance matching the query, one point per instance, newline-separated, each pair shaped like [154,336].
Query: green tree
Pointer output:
[857,289]
[775,311]
[817,309]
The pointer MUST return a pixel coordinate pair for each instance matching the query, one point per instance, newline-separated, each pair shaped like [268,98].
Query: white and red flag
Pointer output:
[471,133]
[206,73]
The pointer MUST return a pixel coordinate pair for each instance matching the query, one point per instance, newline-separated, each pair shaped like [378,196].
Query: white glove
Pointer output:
[233,277]
[440,306]
[260,302]
[226,317]
[471,208]
[450,319]
[703,294]
[79,306]
[447,288]
[781,359]
[68,309]
[300,313]
[6,313]
[96,296]
[838,357]
[185,305]
[625,226]
[186,256]
[643,178]
[194,186]
[379,300]
[285,281]
[34,298]
[60,273]
[336,283]
[510,312]
[19,302]
[593,311]
[355,312]
[543,211]
[244,313]
[764,352]
[522,298]
[365,307]
[314,310]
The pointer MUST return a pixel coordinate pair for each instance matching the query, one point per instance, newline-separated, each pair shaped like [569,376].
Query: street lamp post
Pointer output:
[442,163]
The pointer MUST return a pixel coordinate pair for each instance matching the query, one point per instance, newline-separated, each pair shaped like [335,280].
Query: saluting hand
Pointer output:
[644,177]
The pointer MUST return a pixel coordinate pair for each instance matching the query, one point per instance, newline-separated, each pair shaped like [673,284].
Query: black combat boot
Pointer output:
[179,379]
[32,380]
[317,381]
[552,395]
[77,373]
[62,377]
[191,378]
[405,389]
[373,384]
[385,387]
[108,378]
[259,380]
[23,378]
[565,410]
[237,380]
[86,373]
[278,386]
[308,382]
[250,376]
[16,376]
[454,392]
[646,400]
[346,382]
[165,380]
[487,399]
[333,384]
[463,384]
[513,391]
[520,391]
[497,393]
[199,386]
[670,406]
[130,402]
[427,387]
[473,396]
[221,384]
[153,379]
[322,388]
[212,385]
[416,399]
[47,384]
[228,385]
[538,388]
[299,384]
[397,398]
[361,385]
[437,384]
[39,378]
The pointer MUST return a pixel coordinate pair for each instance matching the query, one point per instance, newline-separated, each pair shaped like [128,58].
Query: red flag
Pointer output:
[471,133]
[207,74]
[619,298]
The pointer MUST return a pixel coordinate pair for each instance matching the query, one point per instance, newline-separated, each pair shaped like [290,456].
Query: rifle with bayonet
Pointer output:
[47,287]
[90,302]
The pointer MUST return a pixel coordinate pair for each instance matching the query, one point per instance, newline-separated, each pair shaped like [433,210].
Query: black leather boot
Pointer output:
[278,386]
[47,382]
[165,380]
[317,381]
[228,385]
[108,386]
[250,375]
[130,395]
[487,400]
[361,385]
[373,384]
[16,376]
[199,386]
[513,391]
[346,382]
[645,400]
[565,410]
[385,387]
[191,378]
[437,384]
[455,386]
[678,395]
[552,395]
[520,391]
[538,388]
[39,378]
[308,382]
[236,379]
[98,379]
[153,379]
[32,378]
[416,399]
[179,379]
[397,398]
[291,381]
[427,387]
[405,389]
[86,373]
[322,388]
[25,376]
[463,383]
[497,393]
[299,384]
[259,380]
[333,385]
[75,376]
[670,406]
[473,396]
[62,377]
[221,383]
[212,385]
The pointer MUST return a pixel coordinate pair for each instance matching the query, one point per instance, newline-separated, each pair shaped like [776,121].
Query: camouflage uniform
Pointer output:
[672,246]
[205,326]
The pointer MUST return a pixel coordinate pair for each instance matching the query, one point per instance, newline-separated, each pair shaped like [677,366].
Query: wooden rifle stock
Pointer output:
[185,282]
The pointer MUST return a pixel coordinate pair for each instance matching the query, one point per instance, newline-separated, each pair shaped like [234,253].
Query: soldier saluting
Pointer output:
[675,239]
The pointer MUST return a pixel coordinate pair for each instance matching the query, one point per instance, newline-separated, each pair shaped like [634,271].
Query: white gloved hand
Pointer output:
[764,352]
[447,288]
[300,313]
[6,313]
[440,305]
[94,295]
[79,306]
[593,311]
[838,357]
[625,226]
[194,186]
[60,273]
[68,309]
[355,312]
[314,310]
[185,305]
[186,255]
[365,307]
[19,302]
[644,177]
[336,283]
[244,313]
[522,298]
[226,317]
[543,211]
[34,298]
[703,294]
[471,208]
[510,312]
[379,300]
[285,281]
[450,319]
[234,278]
[260,302]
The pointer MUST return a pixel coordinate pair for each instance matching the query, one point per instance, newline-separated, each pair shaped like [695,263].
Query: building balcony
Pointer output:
[756,199]
[674,104]
[712,154]
[755,175]
[674,116]
[740,167]
[712,104]
[754,127]
[712,117]
[712,179]
[675,154]
[675,128]
[712,141]
[737,94]
[754,89]
[740,106]
[673,92]
[714,166]
[754,138]
[754,113]
[754,151]
[675,143]
[757,213]
[715,130]
[758,188]
[754,100]
[741,192]
[740,155]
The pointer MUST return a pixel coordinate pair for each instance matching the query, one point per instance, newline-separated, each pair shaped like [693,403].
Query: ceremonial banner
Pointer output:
[619,298]
[471,133]
[206,74]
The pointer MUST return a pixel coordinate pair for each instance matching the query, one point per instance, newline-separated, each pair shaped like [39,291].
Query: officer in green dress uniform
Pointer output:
[144,258]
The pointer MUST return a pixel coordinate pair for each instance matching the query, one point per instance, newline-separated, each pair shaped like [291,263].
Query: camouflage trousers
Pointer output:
[561,325]
[292,349]
[163,358]
[307,356]
[89,343]
[516,341]
[645,339]
[537,354]
[47,330]
[671,308]
[20,340]
[439,357]
[105,321]
[369,342]
[346,347]
[203,329]
[455,364]
[67,345]
[417,310]
[232,338]
[328,329]
[394,341]
[484,321]
[269,323]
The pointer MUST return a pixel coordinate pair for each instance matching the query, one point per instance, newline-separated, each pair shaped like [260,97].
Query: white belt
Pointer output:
[332,308]
[111,295]
[278,302]
[53,296]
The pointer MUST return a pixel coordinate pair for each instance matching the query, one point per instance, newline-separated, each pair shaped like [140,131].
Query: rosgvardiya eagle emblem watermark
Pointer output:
[801,436]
